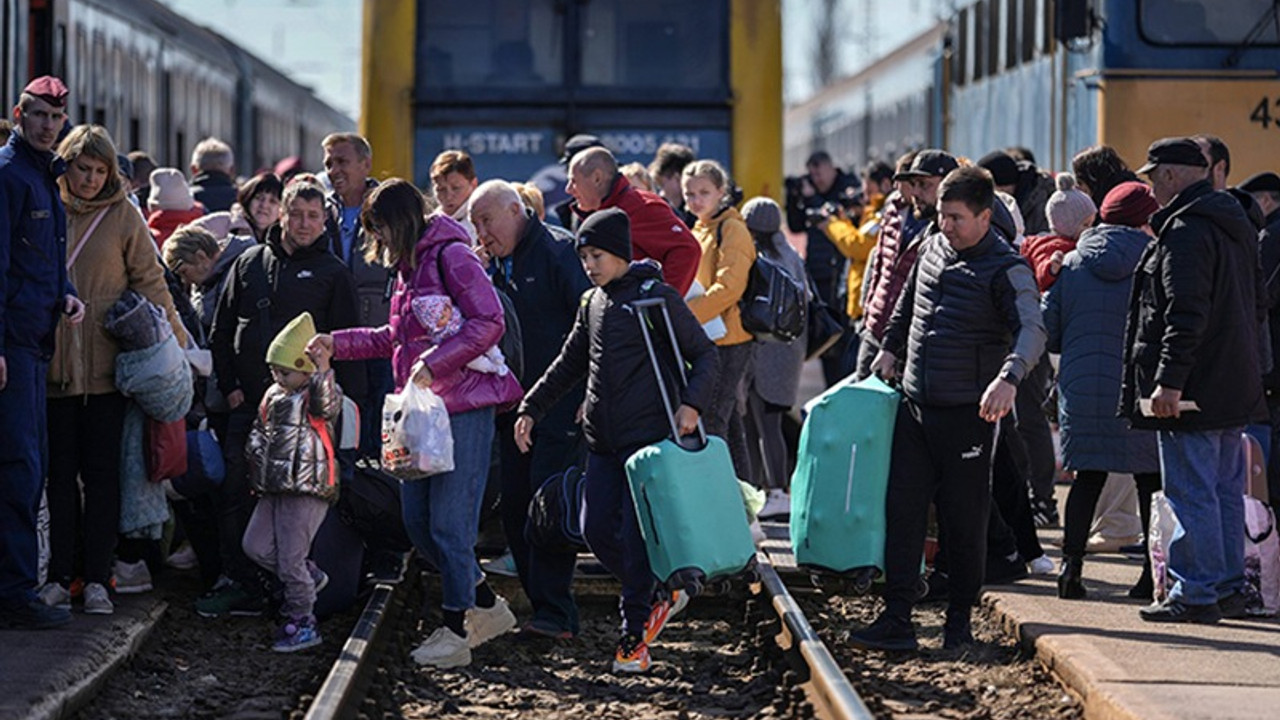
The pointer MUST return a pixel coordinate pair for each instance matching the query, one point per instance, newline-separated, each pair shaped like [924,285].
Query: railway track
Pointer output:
[812,682]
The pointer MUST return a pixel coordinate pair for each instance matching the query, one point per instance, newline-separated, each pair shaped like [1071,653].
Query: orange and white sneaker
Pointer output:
[661,614]
[632,655]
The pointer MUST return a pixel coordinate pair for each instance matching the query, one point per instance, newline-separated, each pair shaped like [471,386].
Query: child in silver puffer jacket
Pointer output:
[294,468]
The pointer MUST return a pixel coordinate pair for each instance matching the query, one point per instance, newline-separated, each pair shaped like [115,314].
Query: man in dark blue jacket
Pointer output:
[34,294]
[545,281]
[969,328]
[1192,373]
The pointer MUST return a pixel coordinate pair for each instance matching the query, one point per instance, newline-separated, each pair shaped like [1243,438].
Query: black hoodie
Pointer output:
[624,410]
[1194,315]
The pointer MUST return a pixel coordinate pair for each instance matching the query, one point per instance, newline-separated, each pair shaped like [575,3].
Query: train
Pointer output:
[1058,76]
[510,82]
[161,83]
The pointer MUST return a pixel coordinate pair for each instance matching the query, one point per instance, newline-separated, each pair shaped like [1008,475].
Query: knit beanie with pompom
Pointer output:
[1070,211]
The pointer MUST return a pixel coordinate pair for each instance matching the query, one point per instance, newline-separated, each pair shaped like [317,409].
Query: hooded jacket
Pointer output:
[728,252]
[656,232]
[373,281]
[1194,316]
[964,319]
[33,247]
[291,448]
[443,265]
[118,256]
[624,409]
[1084,317]
[205,296]
[213,189]
[1032,192]
[162,223]
[265,289]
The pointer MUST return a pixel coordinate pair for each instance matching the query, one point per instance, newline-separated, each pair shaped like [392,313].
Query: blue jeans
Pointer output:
[442,512]
[612,531]
[1204,480]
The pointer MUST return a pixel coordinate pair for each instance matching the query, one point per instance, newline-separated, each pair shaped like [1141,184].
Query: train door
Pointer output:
[46,38]
[8,54]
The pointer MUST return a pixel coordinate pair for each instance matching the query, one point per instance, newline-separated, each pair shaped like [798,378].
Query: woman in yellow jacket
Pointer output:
[109,250]
[728,253]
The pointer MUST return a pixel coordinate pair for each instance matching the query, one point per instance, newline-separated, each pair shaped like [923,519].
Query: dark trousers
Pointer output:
[235,502]
[84,449]
[612,530]
[1009,490]
[724,419]
[942,454]
[868,347]
[381,382]
[1083,500]
[1273,460]
[547,577]
[199,518]
[1035,454]
[828,283]
[766,443]
[22,463]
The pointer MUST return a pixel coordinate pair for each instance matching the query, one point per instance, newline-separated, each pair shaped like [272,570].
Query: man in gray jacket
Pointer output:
[974,299]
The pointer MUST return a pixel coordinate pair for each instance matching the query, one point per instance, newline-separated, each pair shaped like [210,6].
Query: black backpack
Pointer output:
[370,504]
[774,307]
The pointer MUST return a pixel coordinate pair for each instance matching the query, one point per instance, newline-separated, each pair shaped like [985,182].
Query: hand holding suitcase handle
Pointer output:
[684,420]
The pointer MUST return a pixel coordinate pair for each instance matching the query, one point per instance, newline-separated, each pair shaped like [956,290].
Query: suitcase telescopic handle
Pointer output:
[640,307]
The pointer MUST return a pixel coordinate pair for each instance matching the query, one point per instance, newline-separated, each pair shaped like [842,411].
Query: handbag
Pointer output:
[166,445]
[825,328]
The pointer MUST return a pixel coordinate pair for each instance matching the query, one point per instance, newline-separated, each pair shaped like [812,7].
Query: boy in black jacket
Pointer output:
[622,412]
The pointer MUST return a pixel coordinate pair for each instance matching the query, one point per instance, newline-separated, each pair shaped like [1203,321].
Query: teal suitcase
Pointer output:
[687,499]
[841,478]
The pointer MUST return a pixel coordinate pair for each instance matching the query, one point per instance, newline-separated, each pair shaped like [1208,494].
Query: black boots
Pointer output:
[1070,578]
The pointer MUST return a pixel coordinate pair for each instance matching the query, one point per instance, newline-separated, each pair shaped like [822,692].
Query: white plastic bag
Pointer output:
[1261,559]
[1164,529]
[417,440]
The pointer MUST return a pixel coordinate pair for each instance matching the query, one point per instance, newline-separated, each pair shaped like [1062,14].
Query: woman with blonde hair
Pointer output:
[109,251]
[728,252]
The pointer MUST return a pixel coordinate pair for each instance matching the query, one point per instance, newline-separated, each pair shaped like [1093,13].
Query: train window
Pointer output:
[980,40]
[1208,22]
[995,36]
[490,44]
[960,61]
[1012,50]
[668,44]
[1029,25]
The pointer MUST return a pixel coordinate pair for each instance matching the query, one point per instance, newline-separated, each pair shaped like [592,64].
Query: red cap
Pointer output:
[1129,203]
[49,89]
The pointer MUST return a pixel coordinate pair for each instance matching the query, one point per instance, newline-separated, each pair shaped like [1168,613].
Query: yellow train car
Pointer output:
[509,81]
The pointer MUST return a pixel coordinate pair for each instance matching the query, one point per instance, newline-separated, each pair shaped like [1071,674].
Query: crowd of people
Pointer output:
[298,304]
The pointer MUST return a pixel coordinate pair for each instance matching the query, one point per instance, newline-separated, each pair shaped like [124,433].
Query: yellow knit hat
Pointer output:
[289,348]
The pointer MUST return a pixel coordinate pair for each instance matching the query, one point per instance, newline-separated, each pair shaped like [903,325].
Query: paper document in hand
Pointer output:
[1144,405]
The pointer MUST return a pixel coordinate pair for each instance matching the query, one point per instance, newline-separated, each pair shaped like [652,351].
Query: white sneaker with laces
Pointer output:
[485,624]
[777,504]
[54,595]
[443,649]
[96,600]
[184,558]
[132,578]
[1041,566]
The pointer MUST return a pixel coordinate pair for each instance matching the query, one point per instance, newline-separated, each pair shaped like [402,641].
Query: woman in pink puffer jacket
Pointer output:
[432,258]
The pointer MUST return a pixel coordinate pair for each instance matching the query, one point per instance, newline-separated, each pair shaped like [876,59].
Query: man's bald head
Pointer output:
[591,176]
[498,216]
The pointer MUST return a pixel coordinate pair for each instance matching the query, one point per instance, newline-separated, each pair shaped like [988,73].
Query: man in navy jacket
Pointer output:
[34,293]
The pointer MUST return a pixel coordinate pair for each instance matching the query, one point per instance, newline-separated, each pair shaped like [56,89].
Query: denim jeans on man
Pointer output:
[22,470]
[442,512]
[1204,480]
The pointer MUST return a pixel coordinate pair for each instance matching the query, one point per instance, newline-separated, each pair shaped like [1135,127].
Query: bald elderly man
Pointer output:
[545,281]
[656,232]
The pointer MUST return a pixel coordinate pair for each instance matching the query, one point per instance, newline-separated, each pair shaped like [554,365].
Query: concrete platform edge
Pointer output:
[65,704]
[1072,667]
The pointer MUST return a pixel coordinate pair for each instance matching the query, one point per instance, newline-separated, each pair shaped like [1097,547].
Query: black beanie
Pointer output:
[1002,166]
[609,230]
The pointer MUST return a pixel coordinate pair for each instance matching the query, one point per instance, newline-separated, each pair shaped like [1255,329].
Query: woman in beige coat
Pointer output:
[109,250]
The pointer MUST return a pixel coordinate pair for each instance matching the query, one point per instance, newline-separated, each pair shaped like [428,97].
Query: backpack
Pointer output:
[370,504]
[554,518]
[774,306]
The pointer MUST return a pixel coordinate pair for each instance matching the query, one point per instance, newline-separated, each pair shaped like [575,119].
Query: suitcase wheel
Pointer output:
[863,578]
[691,580]
[922,587]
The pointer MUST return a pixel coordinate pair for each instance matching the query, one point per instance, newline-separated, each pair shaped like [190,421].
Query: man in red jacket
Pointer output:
[656,232]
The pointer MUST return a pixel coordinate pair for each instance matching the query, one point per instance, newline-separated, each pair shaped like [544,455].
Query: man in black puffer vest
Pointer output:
[969,324]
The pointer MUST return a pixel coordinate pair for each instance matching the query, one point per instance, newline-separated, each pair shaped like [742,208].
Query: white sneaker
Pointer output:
[777,504]
[184,558]
[504,565]
[132,578]
[96,601]
[485,624]
[757,533]
[54,595]
[1041,566]
[443,649]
